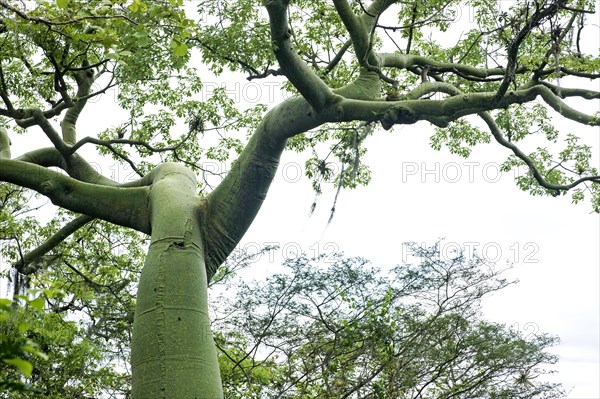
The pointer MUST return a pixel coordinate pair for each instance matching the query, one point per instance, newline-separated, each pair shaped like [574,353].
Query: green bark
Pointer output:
[173,354]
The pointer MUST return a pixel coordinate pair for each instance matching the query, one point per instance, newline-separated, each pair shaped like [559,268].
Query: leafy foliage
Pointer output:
[73,337]
[339,327]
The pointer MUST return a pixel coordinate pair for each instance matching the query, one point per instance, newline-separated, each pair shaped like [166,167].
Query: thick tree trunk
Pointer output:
[173,354]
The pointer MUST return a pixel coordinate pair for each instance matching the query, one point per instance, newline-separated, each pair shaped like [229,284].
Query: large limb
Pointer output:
[362,29]
[123,206]
[442,112]
[76,166]
[359,34]
[230,208]
[79,169]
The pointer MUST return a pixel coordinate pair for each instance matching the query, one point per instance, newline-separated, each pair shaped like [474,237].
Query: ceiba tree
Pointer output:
[507,69]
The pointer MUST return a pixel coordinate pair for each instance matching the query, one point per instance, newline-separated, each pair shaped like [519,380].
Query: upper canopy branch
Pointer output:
[441,112]
[84,79]
[495,130]
[541,13]
[443,87]
[405,61]
[359,34]
[305,80]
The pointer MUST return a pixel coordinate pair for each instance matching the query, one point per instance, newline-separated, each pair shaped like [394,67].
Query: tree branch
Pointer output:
[406,61]
[76,167]
[521,155]
[123,206]
[495,130]
[338,57]
[52,134]
[358,34]
[24,117]
[4,91]
[84,79]
[564,92]
[4,144]
[230,208]
[51,243]
[441,112]
[570,72]
[537,18]
[568,112]
[50,23]
[304,79]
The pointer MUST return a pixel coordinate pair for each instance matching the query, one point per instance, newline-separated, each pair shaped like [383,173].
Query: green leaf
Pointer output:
[62,3]
[180,50]
[23,327]
[21,364]
[38,303]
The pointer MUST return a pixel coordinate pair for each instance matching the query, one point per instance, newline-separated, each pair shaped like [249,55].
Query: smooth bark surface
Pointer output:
[173,353]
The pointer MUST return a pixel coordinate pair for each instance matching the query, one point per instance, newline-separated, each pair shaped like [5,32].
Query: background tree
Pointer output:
[56,56]
[335,327]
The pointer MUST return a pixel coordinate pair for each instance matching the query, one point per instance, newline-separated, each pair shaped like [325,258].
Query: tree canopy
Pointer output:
[349,68]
